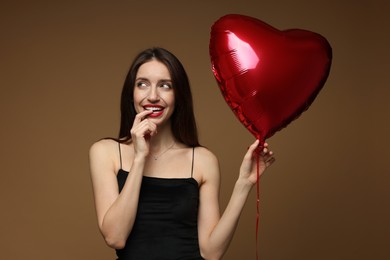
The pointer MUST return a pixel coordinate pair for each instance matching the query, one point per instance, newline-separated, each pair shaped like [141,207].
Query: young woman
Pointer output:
[155,188]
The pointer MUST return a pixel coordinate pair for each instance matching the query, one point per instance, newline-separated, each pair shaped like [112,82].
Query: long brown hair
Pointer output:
[182,120]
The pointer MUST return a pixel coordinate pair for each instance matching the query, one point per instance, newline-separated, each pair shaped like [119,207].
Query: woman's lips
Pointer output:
[157,110]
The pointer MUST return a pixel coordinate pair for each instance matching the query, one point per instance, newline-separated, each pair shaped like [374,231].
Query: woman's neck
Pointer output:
[162,140]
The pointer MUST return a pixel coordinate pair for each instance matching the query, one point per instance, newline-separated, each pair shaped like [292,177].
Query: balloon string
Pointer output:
[257,201]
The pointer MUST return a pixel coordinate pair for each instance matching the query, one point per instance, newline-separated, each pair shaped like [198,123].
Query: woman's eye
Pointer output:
[141,84]
[166,85]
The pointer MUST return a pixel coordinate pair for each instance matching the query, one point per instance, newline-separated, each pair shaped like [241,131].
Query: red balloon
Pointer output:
[268,77]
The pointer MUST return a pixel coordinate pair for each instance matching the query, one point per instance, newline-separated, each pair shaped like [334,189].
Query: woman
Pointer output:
[155,188]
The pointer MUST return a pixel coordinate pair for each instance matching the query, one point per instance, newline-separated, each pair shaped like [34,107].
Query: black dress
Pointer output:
[165,227]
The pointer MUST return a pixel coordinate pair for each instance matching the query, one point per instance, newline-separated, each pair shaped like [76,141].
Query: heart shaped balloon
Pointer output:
[268,77]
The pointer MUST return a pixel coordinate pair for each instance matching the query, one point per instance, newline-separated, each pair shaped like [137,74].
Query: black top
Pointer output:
[166,222]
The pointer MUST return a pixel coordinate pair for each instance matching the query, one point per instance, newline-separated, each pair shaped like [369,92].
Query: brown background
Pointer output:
[62,66]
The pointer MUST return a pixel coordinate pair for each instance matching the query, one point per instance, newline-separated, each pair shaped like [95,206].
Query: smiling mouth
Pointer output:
[157,111]
[154,109]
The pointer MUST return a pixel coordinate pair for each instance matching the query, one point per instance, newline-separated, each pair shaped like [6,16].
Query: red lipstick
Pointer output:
[157,110]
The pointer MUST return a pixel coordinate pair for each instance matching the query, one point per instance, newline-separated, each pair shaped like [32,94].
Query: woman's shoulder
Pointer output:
[205,154]
[206,159]
[206,165]
[103,147]
[103,154]
[102,144]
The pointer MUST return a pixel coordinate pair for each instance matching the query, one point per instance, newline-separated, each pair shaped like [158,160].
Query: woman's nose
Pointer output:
[153,94]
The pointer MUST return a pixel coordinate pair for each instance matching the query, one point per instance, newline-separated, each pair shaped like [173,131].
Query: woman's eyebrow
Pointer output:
[142,78]
[161,80]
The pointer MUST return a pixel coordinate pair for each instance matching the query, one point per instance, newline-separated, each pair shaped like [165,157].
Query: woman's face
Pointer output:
[153,90]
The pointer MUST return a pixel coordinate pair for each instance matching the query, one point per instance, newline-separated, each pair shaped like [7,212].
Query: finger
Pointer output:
[270,161]
[148,127]
[152,128]
[267,156]
[144,127]
[266,152]
[141,115]
[252,148]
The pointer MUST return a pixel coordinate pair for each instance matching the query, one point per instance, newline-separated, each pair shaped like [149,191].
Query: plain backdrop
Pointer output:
[62,66]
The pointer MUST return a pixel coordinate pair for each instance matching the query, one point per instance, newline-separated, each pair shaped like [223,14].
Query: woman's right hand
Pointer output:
[141,132]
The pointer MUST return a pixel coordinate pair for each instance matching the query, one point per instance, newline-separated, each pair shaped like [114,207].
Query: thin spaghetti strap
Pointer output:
[192,165]
[120,154]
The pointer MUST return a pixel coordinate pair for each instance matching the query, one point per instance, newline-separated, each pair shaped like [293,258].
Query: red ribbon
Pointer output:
[258,151]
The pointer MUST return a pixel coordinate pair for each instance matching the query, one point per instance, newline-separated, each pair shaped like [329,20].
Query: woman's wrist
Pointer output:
[139,158]
[244,185]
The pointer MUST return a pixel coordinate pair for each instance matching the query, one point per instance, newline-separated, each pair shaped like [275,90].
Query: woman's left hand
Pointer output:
[248,169]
